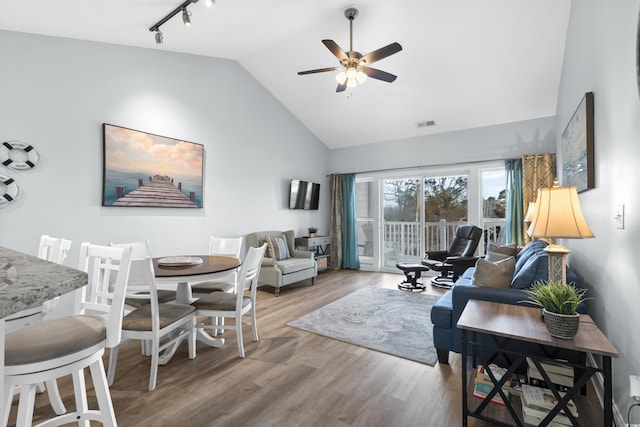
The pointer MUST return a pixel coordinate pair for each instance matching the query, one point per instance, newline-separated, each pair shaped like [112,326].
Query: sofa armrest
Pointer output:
[269,262]
[463,292]
[301,254]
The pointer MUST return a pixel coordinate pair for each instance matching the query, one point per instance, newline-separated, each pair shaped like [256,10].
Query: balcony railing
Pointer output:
[402,239]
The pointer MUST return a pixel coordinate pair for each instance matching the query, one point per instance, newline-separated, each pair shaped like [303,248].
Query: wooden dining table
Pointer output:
[26,282]
[212,267]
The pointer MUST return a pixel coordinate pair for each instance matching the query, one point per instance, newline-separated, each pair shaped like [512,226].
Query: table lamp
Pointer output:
[558,215]
[531,213]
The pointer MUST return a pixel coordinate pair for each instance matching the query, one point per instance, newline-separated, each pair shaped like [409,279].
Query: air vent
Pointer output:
[426,123]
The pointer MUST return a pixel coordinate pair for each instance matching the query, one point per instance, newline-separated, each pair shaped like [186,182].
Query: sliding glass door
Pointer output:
[401,217]
[402,213]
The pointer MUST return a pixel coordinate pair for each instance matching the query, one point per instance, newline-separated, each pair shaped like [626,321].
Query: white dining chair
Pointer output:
[50,349]
[222,246]
[219,305]
[55,250]
[151,322]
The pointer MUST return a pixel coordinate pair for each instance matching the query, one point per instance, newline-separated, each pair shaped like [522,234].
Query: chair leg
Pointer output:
[254,325]
[26,404]
[239,335]
[155,354]
[191,340]
[9,390]
[102,394]
[113,360]
[54,397]
[80,391]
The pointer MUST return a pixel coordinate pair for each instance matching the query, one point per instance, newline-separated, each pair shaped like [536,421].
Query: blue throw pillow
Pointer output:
[535,269]
[526,253]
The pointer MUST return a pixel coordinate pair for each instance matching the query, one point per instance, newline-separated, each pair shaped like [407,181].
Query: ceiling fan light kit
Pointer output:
[186,18]
[354,67]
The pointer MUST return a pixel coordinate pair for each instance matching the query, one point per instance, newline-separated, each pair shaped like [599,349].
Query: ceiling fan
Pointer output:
[354,67]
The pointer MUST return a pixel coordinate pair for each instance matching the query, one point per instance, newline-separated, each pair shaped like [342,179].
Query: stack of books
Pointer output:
[483,384]
[537,402]
[560,375]
[513,385]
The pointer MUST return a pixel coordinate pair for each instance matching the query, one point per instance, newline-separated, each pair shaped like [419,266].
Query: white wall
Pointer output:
[600,57]
[55,95]
[507,141]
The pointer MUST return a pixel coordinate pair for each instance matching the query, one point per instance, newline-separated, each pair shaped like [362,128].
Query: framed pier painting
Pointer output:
[577,147]
[146,170]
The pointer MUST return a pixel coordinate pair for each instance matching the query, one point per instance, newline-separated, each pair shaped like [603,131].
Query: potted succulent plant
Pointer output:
[559,302]
[313,232]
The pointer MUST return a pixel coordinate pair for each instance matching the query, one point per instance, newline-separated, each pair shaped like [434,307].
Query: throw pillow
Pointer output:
[494,274]
[497,253]
[535,269]
[527,252]
[277,247]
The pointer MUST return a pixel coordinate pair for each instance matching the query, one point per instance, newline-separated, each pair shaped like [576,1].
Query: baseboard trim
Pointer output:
[598,385]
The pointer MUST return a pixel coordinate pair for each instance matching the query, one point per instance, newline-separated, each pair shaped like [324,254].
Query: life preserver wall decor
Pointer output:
[11,190]
[5,158]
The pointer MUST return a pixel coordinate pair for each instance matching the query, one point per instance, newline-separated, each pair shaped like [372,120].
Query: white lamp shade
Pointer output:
[559,215]
[531,212]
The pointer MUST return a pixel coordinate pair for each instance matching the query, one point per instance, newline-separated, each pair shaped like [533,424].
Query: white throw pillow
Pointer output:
[494,274]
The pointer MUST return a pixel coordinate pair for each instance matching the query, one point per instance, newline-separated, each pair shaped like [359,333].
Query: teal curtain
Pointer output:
[350,257]
[514,212]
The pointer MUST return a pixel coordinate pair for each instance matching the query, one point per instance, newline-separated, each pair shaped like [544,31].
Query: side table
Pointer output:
[319,246]
[506,323]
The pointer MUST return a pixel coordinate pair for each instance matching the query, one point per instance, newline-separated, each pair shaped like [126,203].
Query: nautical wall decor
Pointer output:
[148,170]
[9,190]
[17,155]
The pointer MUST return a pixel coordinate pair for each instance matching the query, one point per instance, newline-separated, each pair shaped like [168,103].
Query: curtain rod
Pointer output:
[425,166]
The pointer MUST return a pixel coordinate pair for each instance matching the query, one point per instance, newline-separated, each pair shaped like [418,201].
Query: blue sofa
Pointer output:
[532,265]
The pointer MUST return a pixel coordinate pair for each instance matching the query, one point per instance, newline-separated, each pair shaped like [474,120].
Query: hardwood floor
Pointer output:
[289,378]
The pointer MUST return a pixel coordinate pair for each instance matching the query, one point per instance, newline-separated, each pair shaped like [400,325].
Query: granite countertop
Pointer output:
[27,281]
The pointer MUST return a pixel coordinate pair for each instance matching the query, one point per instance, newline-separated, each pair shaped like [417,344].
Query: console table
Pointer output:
[506,323]
[319,246]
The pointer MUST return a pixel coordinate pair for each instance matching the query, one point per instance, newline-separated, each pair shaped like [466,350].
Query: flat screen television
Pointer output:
[304,195]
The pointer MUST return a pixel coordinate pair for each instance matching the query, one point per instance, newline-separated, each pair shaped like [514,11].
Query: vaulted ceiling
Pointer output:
[464,63]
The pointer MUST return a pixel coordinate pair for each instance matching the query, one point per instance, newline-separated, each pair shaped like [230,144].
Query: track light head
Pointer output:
[211,3]
[186,17]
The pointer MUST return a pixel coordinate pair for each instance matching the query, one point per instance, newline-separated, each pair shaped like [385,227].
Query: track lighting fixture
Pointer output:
[186,18]
[211,3]
[159,38]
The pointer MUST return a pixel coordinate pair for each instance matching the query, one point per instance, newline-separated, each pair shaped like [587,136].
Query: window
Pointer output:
[364,217]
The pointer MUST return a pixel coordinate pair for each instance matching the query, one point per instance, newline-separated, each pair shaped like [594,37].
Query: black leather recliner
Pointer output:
[460,256]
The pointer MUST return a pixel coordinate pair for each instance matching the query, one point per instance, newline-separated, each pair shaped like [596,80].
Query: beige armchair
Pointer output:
[278,273]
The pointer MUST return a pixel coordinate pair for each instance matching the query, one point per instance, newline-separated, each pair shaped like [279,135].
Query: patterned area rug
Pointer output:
[388,320]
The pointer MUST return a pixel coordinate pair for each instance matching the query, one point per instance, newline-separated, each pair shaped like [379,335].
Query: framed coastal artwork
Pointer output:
[142,169]
[577,147]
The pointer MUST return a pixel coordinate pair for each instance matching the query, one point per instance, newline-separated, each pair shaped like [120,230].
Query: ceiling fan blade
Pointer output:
[374,73]
[319,70]
[336,50]
[382,53]
[341,87]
